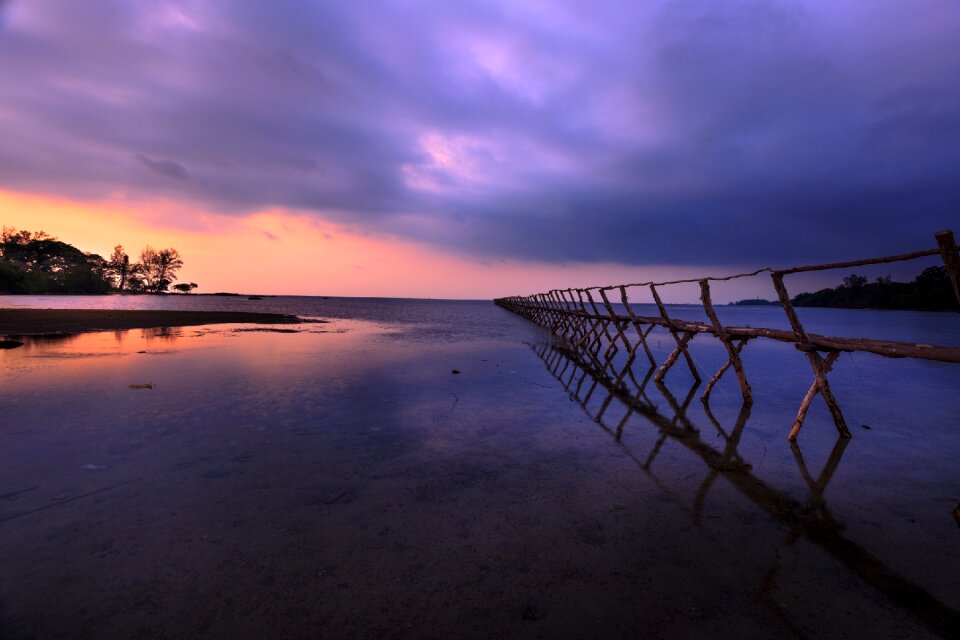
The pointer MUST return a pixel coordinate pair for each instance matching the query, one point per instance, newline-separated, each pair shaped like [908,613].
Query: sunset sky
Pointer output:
[474,149]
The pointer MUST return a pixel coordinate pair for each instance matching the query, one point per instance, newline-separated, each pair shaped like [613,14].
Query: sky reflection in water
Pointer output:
[344,478]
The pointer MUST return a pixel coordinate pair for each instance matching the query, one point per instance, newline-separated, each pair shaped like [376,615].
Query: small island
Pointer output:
[753,302]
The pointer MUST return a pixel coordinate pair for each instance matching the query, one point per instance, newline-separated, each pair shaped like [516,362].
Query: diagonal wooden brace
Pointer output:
[733,353]
[681,343]
[821,366]
[675,355]
[619,325]
[592,336]
[641,333]
[611,350]
[705,398]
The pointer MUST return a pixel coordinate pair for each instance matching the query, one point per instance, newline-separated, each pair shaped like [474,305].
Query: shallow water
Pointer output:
[343,482]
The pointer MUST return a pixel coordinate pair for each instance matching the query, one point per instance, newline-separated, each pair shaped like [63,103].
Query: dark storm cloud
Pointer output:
[675,132]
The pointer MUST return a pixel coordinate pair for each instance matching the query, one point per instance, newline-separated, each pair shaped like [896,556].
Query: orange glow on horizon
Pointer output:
[278,251]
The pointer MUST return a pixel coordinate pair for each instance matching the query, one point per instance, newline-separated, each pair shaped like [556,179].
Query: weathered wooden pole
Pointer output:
[948,251]
[681,347]
[820,368]
[641,334]
[733,353]
[705,396]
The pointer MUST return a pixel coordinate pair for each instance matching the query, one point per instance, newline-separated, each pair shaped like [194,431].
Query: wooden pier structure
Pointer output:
[588,321]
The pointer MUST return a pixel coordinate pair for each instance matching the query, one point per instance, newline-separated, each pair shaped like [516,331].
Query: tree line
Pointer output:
[36,262]
[932,290]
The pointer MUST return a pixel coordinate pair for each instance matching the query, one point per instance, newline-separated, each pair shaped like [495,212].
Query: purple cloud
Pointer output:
[166,168]
[667,132]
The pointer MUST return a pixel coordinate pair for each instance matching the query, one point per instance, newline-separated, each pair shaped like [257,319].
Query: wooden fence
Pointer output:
[587,320]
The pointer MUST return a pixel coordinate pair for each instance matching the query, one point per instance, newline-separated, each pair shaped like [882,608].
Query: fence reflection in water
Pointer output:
[590,385]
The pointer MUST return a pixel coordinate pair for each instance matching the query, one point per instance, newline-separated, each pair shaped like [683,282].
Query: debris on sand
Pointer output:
[143,385]
[456,372]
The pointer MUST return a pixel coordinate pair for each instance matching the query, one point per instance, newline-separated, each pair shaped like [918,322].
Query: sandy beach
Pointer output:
[39,321]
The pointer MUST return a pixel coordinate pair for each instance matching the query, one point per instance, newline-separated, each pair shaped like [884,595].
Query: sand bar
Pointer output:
[40,321]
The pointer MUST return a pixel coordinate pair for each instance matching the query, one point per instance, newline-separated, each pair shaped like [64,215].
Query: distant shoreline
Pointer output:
[19,322]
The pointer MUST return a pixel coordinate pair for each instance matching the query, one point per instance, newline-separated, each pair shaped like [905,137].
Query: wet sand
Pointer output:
[40,321]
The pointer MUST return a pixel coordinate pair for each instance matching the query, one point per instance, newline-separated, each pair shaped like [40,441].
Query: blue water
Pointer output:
[342,481]
[467,317]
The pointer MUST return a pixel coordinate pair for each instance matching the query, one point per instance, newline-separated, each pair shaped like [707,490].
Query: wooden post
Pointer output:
[681,342]
[611,349]
[595,341]
[583,324]
[733,353]
[579,321]
[565,321]
[792,316]
[631,348]
[819,366]
[948,251]
[820,385]
[705,397]
[636,325]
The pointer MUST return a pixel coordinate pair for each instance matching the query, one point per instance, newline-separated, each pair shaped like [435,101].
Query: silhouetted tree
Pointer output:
[39,263]
[185,287]
[854,281]
[11,279]
[934,276]
[929,291]
[118,267]
[159,268]
[36,262]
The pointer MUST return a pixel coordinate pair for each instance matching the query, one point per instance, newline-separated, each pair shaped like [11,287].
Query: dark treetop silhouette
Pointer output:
[929,291]
[35,262]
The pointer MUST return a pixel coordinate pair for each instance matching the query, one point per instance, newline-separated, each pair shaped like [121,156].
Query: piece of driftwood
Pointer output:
[599,332]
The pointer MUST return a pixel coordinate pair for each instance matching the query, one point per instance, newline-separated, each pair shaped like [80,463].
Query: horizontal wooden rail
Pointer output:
[887,348]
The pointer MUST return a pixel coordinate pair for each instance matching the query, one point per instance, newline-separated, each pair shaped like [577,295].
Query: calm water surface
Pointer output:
[342,481]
